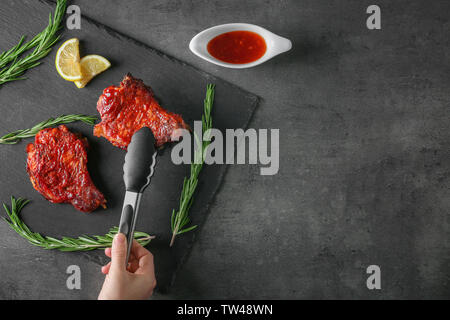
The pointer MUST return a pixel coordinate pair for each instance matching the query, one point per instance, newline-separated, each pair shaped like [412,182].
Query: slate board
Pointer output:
[178,87]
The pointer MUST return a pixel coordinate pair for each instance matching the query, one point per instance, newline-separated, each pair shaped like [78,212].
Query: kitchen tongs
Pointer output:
[138,168]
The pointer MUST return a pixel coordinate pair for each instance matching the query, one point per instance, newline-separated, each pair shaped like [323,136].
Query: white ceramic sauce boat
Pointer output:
[275,44]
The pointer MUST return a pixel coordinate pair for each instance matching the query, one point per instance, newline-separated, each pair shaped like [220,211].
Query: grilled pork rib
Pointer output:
[57,168]
[126,109]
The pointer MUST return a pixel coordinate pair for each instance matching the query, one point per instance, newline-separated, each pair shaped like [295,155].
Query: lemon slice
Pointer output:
[68,60]
[91,66]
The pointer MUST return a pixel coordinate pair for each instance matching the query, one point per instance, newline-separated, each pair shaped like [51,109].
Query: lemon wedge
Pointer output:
[68,60]
[91,66]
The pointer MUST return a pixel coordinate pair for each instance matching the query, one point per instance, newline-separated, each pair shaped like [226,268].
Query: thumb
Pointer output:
[119,253]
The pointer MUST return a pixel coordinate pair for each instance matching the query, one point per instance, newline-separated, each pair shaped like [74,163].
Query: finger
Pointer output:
[138,251]
[132,267]
[119,253]
[108,252]
[105,268]
[146,265]
[133,264]
[132,256]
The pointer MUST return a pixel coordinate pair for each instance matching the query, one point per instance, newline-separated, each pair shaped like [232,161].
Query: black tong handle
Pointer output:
[126,227]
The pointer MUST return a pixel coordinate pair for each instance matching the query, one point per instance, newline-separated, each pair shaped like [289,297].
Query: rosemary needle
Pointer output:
[42,44]
[16,136]
[180,218]
[82,243]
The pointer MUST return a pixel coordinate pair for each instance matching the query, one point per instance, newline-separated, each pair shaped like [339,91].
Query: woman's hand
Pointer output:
[133,283]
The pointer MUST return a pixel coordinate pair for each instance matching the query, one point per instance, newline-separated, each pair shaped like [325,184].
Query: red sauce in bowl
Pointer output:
[237,47]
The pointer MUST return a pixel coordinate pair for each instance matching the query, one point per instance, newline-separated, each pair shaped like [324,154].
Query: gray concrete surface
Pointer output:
[364,171]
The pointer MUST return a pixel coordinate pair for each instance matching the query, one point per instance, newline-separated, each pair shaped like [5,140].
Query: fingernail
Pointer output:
[119,238]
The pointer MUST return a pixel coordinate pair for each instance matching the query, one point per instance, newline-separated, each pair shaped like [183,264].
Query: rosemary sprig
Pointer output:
[180,218]
[82,243]
[42,42]
[16,136]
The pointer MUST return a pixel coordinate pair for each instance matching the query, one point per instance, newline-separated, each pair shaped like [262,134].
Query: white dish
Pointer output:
[275,44]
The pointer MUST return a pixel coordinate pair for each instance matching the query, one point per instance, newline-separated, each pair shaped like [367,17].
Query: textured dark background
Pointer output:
[177,86]
[364,170]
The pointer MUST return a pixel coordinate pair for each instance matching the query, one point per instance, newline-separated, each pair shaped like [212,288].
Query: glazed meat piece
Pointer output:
[57,168]
[126,109]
